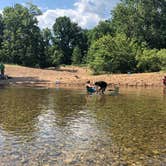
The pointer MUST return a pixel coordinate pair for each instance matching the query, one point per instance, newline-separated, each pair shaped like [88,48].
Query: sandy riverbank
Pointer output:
[75,77]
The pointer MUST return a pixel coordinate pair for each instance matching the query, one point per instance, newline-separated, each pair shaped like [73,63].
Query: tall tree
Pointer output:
[144,19]
[47,39]
[67,35]
[22,39]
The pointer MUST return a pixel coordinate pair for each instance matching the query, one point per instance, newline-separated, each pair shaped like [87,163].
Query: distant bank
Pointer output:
[76,77]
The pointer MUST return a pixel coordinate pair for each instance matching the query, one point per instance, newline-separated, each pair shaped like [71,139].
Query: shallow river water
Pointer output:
[60,127]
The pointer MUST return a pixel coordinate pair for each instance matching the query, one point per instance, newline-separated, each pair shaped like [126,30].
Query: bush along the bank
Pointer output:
[151,60]
[113,54]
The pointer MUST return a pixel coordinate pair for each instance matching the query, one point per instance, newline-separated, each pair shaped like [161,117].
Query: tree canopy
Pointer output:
[68,35]
[144,20]
[132,39]
[21,37]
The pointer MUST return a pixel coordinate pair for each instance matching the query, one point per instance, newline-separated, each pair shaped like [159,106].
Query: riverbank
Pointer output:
[71,76]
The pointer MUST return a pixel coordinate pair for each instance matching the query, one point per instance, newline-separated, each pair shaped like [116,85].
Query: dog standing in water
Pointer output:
[101,86]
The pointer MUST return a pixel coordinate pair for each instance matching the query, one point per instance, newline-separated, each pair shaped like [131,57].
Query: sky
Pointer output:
[87,13]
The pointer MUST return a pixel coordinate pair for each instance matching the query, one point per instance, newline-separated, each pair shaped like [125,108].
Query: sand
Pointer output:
[75,77]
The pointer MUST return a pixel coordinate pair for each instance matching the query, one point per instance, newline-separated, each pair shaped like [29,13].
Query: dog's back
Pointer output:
[101,84]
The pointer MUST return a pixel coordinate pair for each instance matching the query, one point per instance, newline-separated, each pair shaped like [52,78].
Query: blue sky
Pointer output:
[87,13]
[51,4]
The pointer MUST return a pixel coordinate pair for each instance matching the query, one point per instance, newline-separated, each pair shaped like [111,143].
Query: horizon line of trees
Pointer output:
[132,40]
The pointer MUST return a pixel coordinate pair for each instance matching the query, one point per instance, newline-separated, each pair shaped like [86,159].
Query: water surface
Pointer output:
[67,127]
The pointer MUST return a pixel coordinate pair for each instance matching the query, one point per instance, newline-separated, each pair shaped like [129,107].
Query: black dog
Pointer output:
[102,86]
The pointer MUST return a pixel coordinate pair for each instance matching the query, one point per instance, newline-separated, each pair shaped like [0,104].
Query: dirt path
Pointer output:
[75,77]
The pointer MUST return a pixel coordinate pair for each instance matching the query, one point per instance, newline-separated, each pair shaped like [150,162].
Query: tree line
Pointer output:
[132,40]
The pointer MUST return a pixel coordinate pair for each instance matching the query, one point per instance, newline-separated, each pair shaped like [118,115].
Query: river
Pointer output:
[67,127]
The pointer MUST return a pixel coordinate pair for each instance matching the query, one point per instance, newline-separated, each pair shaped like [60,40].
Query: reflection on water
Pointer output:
[64,127]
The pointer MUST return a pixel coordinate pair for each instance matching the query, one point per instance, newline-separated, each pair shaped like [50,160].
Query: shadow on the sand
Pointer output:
[59,69]
[29,81]
[68,70]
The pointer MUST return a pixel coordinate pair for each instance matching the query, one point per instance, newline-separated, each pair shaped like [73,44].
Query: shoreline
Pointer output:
[76,77]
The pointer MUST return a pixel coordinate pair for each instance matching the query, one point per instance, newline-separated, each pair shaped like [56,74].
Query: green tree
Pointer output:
[76,56]
[144,20]
[47,39]
[148,61]
[57,56]
[103,28]
[22,42]
[67,35]
[113,54]
[162,56]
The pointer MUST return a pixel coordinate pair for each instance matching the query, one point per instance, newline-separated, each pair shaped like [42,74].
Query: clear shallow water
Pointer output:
[66,127]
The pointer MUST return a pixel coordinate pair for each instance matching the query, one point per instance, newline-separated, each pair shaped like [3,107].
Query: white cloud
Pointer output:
[87,13]
[94,6]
